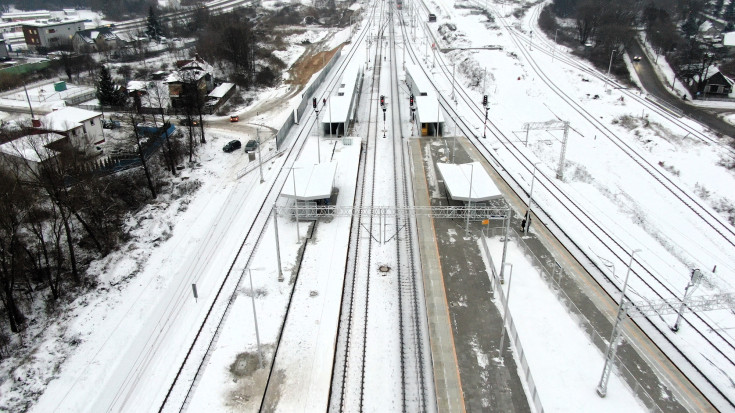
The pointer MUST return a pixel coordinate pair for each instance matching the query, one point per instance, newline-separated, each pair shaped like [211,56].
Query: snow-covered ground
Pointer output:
[606,182]
[79,354]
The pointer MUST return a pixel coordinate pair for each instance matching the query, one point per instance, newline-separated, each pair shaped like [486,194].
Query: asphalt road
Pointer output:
[654,86]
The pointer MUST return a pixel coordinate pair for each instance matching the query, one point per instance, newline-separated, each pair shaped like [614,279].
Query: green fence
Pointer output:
[24,68]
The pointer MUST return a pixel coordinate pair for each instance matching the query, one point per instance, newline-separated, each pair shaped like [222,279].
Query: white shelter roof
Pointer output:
[729,39]
[428,109]
[336,110]
[221,90]
[67,118]
[312,181]
[419,79]
[32,147]
[457,180]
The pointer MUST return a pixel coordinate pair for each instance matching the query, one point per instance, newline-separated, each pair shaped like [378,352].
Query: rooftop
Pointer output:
[67,118]
[460,178]
[312,181]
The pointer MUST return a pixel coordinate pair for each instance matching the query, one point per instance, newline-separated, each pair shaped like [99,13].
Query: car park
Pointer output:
[234,118]
[232,145]
[251,145]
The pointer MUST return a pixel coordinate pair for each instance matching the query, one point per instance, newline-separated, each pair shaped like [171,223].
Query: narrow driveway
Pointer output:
[654,86]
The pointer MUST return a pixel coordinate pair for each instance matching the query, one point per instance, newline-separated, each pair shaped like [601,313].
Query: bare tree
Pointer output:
[141,150]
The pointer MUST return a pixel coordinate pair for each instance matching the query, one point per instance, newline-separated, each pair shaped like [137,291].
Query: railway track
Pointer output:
[704,329]
[200,349]
[365,294]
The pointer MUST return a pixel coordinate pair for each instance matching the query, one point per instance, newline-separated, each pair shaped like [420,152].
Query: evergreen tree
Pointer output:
[107,93]
[153,28]
[729,14]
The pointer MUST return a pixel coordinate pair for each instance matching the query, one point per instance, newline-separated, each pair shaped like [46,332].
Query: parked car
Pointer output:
[637,59]
[432,17]
[251,145]
[234,118]
[232,145]
[185,122]
[110,124]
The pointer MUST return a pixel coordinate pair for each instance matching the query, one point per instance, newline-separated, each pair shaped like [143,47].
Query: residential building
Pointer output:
[718,85]
[82,127]
[193,73]
[51,34]
[26,154]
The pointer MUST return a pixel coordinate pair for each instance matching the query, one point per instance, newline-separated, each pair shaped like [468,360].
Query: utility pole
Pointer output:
[260,160]
[255,317]
[530,42]
[612,346]
[274,211]
[469,198]
[693,284]
[453,96]
[505,245]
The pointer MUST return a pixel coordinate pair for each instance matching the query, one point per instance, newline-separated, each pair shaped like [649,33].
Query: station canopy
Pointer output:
[457,180]
[312,181]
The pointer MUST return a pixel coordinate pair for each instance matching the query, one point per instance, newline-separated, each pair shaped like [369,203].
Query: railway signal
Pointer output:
[411,101]
[313,102]
[382,100]
[484,101]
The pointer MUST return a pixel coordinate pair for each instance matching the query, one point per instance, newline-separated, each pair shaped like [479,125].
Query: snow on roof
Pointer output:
[457,180]
[137,85]
[221,90]
[32,147]
[67,118]
[49,23]
[312,181]
[419,79]
[338,106]
[427,109]
[729,39]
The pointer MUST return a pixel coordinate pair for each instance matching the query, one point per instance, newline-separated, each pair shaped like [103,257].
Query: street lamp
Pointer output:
[255,317]
[527,220]
[505,312]
[469,197]
[612,346]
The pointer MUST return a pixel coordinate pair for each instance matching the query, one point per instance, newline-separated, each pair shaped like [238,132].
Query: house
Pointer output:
[83,128]
[717,85]
[26,154]
[51,33]
[193,73]
[99,40]
[219,95]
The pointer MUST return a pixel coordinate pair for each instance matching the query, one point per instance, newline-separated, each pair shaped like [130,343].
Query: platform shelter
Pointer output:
[468,182]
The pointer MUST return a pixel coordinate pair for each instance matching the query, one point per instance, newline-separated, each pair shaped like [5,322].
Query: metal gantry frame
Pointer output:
[552,125]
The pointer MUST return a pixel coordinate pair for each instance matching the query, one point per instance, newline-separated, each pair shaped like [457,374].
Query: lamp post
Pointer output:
[530,42]
[255,318]
[612,346]
[527,221]
[260,161]
[693,284]
[295,201]
[469,197]
[505,312]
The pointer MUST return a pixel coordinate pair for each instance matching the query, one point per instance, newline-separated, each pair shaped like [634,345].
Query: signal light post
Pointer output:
[382,104]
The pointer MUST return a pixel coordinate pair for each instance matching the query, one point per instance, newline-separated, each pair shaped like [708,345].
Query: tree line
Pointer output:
[602,27]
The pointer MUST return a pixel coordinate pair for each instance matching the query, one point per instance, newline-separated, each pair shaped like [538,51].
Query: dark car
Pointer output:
[432,17]
[637,59]
[232,145]
[110,124]
[251,145]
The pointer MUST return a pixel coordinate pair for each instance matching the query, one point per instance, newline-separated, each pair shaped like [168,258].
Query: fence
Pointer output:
[515,338]
[286,128]
[597,338]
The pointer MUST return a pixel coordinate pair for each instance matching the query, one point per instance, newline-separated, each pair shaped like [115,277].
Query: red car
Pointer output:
[234,118]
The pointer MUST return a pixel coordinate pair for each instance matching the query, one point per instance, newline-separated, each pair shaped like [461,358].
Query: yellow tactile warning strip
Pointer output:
[443,354]
[670,374]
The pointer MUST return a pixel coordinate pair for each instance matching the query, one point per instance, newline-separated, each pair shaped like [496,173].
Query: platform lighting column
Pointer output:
[330,116]
[505,312]
[453,96]
[260,160]
[612,346]
[438,103]
[274,211]
[469,198]
[505,245]
[296,202]
[255,317]
[530,201]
